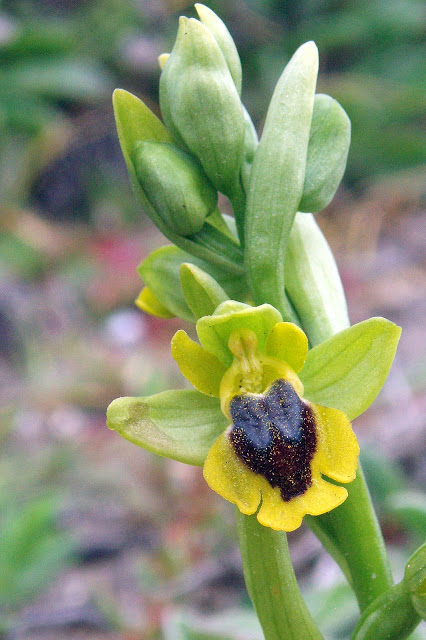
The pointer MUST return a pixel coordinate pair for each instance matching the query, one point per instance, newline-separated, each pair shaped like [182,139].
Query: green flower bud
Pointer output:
[329,140]
[201,106]
[219,31]
[175,185]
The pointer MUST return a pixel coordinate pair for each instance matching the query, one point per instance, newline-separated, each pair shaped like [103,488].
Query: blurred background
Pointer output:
[101,540]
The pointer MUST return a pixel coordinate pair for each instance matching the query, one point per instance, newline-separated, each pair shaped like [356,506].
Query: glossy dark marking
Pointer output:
[275,435]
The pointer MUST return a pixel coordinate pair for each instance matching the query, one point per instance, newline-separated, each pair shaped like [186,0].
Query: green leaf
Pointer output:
[348,370]
[277,177]
[329,141]
[160,272]
[202,293]
[181,425]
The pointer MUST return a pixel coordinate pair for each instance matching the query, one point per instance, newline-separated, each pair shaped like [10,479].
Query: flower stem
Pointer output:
[355,529]
[271,583]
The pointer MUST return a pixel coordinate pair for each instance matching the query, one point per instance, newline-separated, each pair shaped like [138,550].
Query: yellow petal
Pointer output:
[147,301]
[287,342]
[201,368]
[320,498]
[337,449]
[277,514]
[230,478]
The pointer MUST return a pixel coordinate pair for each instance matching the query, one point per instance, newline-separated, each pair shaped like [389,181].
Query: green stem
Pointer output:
[356,532]
[271,583]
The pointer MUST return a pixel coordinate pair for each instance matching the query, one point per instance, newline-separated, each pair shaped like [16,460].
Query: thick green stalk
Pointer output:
[271,583]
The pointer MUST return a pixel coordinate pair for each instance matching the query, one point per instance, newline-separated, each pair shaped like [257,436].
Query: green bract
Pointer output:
[277,177]
[201,106]
[175,185]
[313,282]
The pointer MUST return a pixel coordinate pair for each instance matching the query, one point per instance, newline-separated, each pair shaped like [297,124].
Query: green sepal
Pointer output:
[312,281]
[201,106]
[277,177]
[135,122]
[201,291]
[415,579]
[328,148]
[214,331]
[347,371]
[175,185]
[160,272]
[181,425]
[389,617]
[220,32]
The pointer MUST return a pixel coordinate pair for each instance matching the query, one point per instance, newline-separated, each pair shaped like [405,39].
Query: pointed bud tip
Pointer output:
[309,49]
[202,10]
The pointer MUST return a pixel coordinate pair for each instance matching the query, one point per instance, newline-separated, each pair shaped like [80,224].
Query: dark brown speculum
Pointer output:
[274,434]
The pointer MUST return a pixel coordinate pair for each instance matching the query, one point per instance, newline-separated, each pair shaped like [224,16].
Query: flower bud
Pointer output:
[219,31]
[175,185]
[329,141]
[201,106]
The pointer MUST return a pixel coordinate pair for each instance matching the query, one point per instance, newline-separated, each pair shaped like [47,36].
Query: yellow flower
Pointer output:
[278,446]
